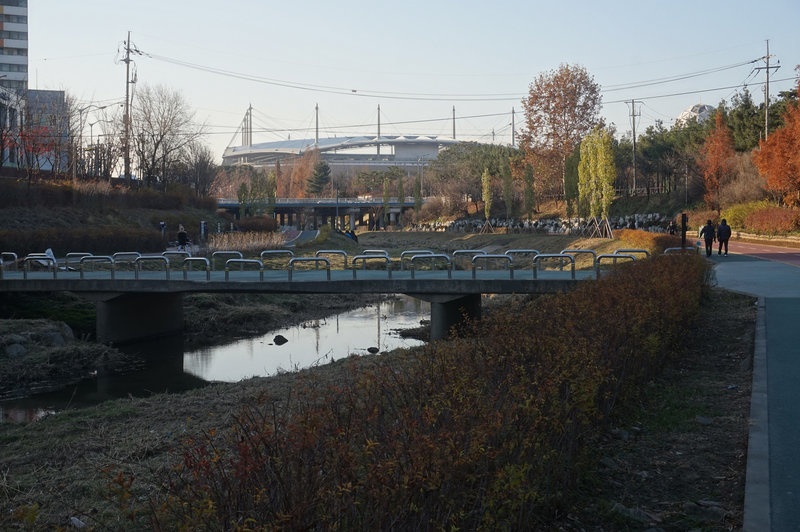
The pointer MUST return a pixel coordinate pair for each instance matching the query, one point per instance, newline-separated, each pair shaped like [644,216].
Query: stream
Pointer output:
[168,368]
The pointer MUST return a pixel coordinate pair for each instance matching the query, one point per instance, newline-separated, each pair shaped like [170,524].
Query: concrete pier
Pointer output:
[127,317]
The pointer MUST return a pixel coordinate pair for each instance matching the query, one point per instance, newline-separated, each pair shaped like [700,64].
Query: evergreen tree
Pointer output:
[596,174]
[486,193]
[319,178]
[530,192]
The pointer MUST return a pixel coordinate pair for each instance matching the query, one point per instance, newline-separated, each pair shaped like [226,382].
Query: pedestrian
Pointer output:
[183,238]
[709,235]
[723,235]
[672,227]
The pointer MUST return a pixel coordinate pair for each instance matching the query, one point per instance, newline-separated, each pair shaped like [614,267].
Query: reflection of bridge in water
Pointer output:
[140,296]
[348,213]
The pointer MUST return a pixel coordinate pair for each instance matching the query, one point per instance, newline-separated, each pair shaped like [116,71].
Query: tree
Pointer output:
[716,160]
[387,195]
[272,188]
[562,106]
[529,192]
[201,169]
[418,194]
[596,173]
[778,157]
[508,191]
[162,126]
[319,178]
[486,193]
[401,195]
[745,121]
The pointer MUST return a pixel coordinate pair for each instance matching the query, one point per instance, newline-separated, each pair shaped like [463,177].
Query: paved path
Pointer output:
[772,494]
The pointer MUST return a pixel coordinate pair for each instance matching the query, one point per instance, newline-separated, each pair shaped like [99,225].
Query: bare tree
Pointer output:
[201,169]
[162,126]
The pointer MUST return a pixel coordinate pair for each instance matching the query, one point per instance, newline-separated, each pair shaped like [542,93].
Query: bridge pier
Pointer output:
[127,317]
[450,310]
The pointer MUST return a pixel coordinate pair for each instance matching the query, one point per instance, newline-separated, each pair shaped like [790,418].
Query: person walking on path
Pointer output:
[183,238]
[723,234]
[708,234]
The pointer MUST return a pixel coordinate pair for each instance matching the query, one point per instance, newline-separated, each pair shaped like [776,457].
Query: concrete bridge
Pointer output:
[140,296]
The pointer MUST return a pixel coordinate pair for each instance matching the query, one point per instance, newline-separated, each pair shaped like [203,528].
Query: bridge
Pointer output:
[314,212]
[139,296]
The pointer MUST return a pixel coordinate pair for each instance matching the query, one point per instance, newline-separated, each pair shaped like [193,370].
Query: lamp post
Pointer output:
[92,147]
[81,111]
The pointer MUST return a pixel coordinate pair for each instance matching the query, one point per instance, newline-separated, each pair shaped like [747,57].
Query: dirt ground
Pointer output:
[675,461]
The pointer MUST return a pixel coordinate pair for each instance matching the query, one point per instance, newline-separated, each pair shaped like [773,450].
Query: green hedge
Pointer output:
[97,240]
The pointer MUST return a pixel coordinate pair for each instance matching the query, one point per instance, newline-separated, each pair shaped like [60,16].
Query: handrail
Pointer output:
[542,256]
[144,258]
[242,263]
[612,256]
[39,257]
[74,255]
[5,254]
[512,252]
[96,258]
[187,266]
[433,256]
[629,251]
[592,252]
[176,254]
[216,254]
[268,252]
[404,254]
[310,259]
[490,256]
[333,252]
[365,258]
[685,249]
[375,252]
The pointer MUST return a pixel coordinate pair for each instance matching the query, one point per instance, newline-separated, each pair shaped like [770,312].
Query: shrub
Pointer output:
[652,242]
[98,240]
[736,214]
[772,220]
[490,430]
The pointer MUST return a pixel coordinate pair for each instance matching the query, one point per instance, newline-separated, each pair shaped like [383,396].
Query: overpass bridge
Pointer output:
[349,213]
[140,296]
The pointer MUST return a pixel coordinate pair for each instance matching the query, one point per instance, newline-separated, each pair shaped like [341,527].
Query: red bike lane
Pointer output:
[763,251]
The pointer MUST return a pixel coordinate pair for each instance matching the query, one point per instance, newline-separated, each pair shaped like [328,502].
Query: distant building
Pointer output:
[699,111]
[47,118]
[14,44]
[10,120]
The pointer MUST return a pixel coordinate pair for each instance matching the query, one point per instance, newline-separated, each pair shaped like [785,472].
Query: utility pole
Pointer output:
[513,129]
[454,122]
[766,89]
[634,114]
[379,129]
[126,119]
[316,129]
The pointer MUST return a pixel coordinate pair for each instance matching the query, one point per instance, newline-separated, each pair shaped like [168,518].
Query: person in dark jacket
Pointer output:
[723,234]
[708,234]
[183,238]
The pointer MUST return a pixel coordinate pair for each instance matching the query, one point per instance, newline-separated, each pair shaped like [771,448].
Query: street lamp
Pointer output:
[91,143]
[80,134]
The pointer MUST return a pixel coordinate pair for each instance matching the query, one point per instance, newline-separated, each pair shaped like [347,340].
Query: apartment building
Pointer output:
[14,44]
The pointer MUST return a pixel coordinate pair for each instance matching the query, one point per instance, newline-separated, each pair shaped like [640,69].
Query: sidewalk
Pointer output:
[772,491]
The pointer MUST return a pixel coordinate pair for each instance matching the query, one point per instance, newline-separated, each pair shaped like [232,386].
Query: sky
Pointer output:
[416,60]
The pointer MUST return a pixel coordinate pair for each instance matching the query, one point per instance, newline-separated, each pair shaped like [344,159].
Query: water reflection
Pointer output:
[311,343]
[168,369]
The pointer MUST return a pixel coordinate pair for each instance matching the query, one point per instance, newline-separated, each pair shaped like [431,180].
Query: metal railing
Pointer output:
[552,256]
[433,257]
[412,252]
[242,263]
[574,252]
[316,260]
[509,262]
[92,259]
[611,256]
[214,255]
[39,258]
[364,258]
[333,252]
[187,266]
[150,258]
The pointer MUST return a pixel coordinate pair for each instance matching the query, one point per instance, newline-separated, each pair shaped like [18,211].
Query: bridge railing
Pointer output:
[187,266]
[411,253]
[433,257]
[333,252]
[242,263]
[125,257]
[468,253]
[508,262]
[217,254]
[315,260]
[94,259]
[74,258]
[264,255]
[574,252]
[150,258]
[8,257]
[39,258]
[176,257]
[373,257]
[537,260]
[514,252]
[631,252]
[612,257]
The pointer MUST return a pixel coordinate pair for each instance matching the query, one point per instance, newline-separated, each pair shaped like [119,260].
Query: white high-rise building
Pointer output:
[14,44]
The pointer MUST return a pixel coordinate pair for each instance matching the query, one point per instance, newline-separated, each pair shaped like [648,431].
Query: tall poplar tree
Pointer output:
[596,174]
[486,193]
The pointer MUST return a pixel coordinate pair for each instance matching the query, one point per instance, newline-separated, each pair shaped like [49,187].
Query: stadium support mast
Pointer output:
[379,129]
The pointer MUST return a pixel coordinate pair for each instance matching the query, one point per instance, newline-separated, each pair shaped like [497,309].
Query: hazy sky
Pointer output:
[421,58]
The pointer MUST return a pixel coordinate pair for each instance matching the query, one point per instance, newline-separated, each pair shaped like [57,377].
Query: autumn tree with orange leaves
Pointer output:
[778,157]
[562,106]
[716,160]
